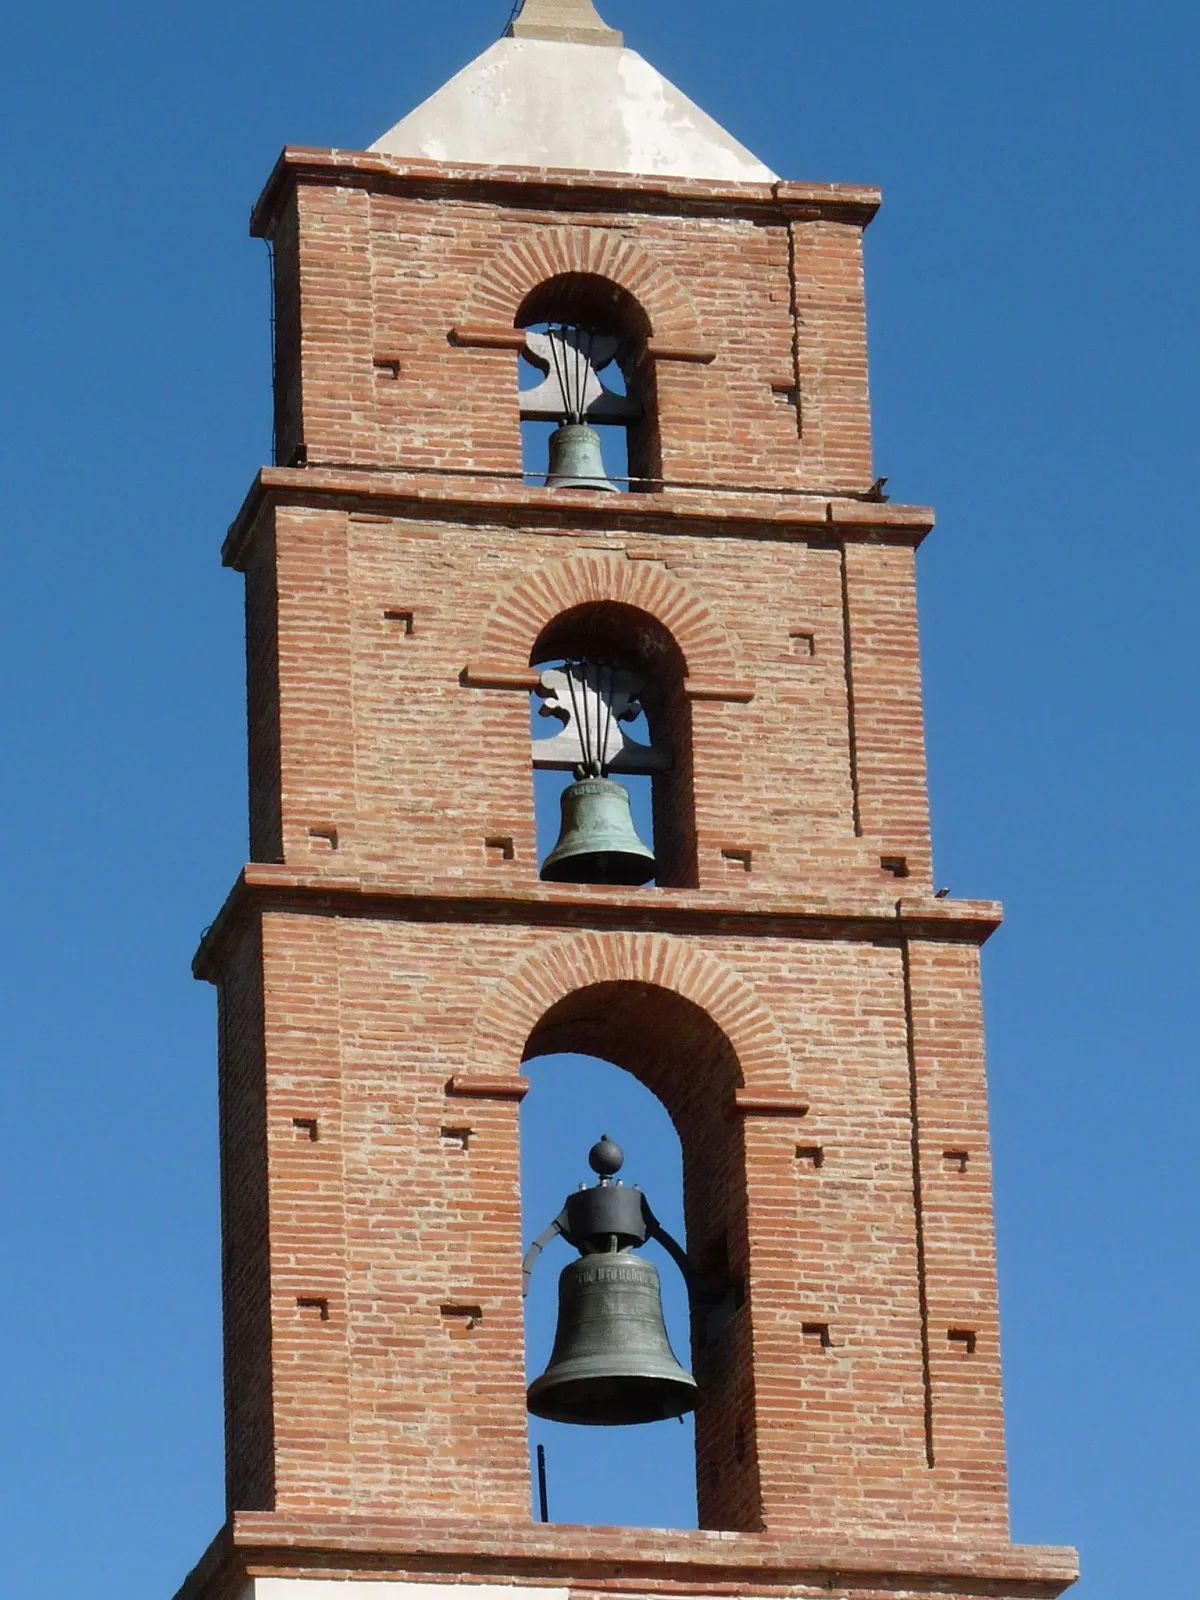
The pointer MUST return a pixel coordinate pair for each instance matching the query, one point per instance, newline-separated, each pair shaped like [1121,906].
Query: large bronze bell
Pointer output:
[612,1363]
[597,842]
[576,461]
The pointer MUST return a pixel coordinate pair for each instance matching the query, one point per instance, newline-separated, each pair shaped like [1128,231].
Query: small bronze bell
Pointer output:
[612,1363]
[576,461]
[597,842]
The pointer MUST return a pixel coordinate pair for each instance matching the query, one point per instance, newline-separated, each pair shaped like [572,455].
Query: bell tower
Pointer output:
[773,963]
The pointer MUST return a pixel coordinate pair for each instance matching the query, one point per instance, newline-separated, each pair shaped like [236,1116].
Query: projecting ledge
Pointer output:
[820,514]
[467,181]
[615,1560]
[267,887]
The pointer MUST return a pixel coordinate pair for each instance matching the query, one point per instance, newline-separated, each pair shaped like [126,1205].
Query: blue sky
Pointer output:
[1034,347]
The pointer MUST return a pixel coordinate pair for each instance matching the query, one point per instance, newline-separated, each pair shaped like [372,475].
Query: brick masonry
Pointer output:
[794,993]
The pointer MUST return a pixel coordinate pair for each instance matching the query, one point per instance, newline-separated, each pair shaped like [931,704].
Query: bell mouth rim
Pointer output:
[685,1392]
[611,856]
[614,874]
[601,869]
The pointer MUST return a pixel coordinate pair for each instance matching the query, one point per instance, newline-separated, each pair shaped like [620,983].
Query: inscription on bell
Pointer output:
[590,1274]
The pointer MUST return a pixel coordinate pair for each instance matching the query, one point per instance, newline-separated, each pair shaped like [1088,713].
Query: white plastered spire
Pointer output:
[560,90]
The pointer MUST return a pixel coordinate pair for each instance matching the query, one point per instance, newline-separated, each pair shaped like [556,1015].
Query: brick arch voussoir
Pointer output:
[501,287]
[521,615]
[526,992]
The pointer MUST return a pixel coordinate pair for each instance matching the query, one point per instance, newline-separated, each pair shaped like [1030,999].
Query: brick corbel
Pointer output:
[487,1086]
[480,338]
[493,675]
[767,1103]
[668,350]
[730,690]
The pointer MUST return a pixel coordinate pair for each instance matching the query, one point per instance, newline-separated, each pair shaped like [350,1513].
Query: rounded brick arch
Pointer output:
[544,978]
[503,285]
[520,616]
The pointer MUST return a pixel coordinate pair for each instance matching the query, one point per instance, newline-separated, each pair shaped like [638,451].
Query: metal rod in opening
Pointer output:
[543,1494]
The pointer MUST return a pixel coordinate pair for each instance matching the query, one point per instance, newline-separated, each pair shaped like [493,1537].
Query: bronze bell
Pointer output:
[597,842]
[576,461]
[612,1363]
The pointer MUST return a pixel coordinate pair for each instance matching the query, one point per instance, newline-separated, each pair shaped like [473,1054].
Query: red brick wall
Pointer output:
[831,350]
[382,276]
[952,1137]
[287,354]
[805,1009]
[384,1233]
[384,744]
[262,703]
[246,1277]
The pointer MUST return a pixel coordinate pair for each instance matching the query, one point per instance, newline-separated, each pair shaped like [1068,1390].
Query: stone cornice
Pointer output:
[264,886]
[766,514]
[617,1561]
[558,189]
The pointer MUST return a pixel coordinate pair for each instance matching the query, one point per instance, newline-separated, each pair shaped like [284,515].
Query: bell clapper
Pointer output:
[612,1364]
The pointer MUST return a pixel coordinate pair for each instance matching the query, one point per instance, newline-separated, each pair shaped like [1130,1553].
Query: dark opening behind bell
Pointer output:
[597,842]
[576,459]
[612,1363]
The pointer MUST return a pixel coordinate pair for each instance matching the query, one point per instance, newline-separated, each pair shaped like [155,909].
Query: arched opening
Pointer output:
[585,361]
[674,1050]
[651,750]
[629,1477]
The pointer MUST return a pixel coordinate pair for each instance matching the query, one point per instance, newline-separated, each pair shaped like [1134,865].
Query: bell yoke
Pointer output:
[612,1363]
